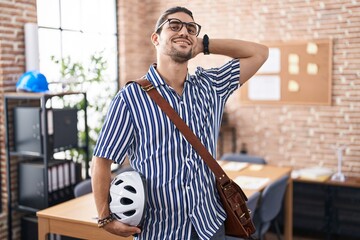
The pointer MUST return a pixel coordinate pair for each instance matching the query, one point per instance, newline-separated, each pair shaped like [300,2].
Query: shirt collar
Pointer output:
[154,77]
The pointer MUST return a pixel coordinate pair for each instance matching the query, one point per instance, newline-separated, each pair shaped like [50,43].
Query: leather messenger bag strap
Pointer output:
[221,176]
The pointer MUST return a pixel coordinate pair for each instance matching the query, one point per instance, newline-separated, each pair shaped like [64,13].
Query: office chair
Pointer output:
[123,168]
[269,207]
[251,204]
[239,157]
[85,187]
[82,188]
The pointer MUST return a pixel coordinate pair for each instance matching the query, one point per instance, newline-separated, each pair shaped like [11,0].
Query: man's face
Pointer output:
[177,45]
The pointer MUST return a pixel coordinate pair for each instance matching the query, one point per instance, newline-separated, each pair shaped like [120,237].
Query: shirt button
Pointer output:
[188,187]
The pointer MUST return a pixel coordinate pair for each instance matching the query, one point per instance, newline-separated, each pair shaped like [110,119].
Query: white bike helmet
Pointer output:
[128,197]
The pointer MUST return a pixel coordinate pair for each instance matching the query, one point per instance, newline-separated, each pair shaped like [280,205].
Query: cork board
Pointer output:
[297,72]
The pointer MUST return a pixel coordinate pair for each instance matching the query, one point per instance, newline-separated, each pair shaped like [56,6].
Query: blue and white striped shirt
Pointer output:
[181,188]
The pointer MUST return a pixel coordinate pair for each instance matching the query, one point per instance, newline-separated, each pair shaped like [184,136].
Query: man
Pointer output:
[182,199]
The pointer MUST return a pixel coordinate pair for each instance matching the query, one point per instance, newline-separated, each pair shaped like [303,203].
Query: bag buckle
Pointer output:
[148,87]
[224,181]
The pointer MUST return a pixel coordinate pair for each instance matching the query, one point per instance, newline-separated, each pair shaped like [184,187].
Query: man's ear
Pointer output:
[155,39]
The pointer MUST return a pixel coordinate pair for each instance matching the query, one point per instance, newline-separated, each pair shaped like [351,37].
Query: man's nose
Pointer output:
[183,30]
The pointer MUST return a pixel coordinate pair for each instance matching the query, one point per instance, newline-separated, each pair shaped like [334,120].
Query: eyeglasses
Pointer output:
[176,25]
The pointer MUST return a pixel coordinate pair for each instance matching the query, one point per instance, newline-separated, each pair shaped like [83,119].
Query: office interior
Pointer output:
[306,118]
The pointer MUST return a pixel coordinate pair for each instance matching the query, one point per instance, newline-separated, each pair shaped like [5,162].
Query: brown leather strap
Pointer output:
[147,86]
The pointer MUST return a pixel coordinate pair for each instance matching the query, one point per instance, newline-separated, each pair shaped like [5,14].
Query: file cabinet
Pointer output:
[328,209]
[40,126]
[62,177]
[61,125]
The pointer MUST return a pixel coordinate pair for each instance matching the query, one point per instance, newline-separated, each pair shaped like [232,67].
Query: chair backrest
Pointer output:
[82,188]
[85,187]
[272,198]
[252,202]
[123,169]
[239,157]
[270,204]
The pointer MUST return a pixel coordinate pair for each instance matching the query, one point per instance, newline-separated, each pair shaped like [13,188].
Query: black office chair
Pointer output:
[269,207]
[239,157]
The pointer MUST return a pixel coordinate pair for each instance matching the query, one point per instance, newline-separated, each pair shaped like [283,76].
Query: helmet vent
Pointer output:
[130,189]
[129,213]
[126,201]
[119,182]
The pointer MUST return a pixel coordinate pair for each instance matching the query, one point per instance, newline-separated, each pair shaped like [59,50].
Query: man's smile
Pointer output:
[182,41]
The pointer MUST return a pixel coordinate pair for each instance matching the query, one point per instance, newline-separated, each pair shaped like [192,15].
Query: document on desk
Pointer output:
[234,166]
[248,182]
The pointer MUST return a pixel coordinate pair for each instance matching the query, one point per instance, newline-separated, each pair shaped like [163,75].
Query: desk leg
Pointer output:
[288,224]
[43,228]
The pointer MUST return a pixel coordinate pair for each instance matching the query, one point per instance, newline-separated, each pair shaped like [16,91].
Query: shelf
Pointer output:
[28,95]
[35,131]
[26,154]
[26,209]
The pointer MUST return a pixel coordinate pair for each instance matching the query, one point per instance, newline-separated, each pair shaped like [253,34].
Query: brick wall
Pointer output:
[13,15]
[290,135]
[296,135]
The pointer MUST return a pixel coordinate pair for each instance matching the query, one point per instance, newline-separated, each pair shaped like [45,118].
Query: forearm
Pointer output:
[101,178]
[233,48]
[250,54]
[236,48]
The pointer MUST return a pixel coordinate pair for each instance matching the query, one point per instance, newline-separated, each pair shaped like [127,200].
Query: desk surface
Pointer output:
[77,217]
[262,171]
[81,209]
[349,182]
[74,218]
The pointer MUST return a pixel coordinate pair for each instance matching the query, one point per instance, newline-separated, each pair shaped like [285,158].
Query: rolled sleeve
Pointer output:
[117,132]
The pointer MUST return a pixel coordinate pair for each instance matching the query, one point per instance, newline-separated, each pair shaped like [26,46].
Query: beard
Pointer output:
[178,56]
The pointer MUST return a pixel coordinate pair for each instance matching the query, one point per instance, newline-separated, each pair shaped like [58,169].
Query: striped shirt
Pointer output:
[181,188]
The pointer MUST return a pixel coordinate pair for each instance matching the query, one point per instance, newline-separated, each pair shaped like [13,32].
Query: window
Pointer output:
[78,29]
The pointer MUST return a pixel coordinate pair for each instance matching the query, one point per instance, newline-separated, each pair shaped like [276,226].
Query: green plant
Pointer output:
[90,77]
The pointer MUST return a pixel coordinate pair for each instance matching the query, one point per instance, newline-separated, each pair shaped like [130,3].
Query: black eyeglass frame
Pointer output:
[182,25]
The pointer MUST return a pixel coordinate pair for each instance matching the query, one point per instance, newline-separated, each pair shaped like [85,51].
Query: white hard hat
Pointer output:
[128,197]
